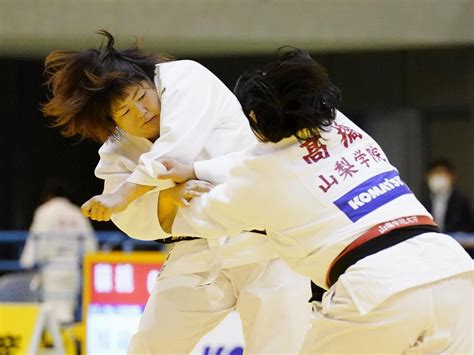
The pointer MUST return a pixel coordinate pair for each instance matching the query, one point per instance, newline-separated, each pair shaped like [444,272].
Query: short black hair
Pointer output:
[291,96]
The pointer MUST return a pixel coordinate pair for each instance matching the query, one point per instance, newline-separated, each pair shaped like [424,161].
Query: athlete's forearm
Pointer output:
[101,207]
[129,191]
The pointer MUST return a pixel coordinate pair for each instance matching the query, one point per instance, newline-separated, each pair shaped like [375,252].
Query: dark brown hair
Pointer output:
[291,96]
[84,84]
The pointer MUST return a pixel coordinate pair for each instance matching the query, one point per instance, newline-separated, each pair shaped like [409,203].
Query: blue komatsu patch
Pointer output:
[371,194]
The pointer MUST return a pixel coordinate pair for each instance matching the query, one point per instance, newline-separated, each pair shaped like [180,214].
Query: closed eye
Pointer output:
[123,114]
[142,96]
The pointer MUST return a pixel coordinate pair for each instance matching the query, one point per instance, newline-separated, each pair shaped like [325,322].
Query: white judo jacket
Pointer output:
[57,240]
[313,198]
[200,119]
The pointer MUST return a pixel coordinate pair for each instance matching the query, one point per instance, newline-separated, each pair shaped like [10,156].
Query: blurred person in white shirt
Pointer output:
[58,237]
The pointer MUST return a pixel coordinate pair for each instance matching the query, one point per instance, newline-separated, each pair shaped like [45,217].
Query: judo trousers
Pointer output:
[435,318]
[271,299]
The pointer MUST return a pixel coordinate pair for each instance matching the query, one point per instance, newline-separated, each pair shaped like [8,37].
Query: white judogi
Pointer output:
[58,236]
[201,119]
[313,198]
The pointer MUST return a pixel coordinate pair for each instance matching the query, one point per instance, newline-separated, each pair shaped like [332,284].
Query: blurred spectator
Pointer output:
[58,237]
[449,207]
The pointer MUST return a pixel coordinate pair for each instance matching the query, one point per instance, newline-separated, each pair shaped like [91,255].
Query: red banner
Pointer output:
[122,283]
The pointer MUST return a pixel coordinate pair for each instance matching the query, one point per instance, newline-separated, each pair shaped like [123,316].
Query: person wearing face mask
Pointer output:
[449,206]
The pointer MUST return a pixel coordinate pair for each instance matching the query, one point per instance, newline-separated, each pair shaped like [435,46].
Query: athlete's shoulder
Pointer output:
[181,67]
[343,119]
[182,63]
[265,157]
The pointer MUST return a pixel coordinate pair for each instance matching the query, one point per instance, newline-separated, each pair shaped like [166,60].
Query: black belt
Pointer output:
[375,245]
[368,248]
[171,240]
[316,292]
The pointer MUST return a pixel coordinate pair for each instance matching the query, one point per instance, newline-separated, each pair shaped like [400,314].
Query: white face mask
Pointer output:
[439,183]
